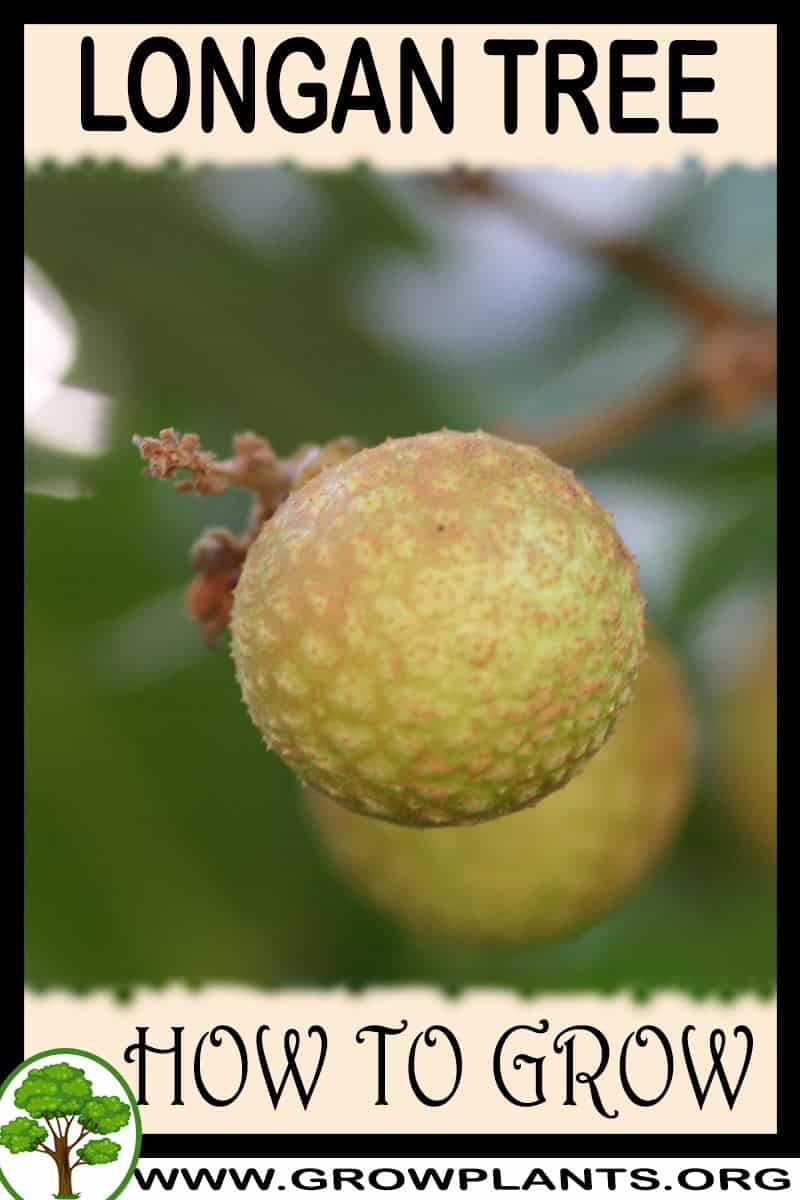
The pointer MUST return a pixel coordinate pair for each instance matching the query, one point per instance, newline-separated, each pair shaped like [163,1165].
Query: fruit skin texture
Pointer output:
[750,749]
[439,630]
[552,870]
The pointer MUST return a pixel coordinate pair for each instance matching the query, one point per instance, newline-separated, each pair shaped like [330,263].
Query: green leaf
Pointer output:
[740,550]
[105,1114]
[21,1135]
[57,1090]
[99,1152]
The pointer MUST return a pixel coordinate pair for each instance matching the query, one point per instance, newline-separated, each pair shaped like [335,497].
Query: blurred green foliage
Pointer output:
[163,841]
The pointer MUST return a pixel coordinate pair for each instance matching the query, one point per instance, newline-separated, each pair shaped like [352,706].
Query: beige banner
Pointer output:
[509,1064]
[743,99]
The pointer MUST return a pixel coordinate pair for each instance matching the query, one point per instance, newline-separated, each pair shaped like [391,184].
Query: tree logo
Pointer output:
[56,1111]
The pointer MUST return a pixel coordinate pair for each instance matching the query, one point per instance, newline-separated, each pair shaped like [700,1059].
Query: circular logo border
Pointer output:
[120,1080]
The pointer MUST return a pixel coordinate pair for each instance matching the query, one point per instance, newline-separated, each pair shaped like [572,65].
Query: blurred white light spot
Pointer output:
[654,524]
[57,489]
[73,420]
[152,641]
[724,636]
[50,338]
[69,419]
[492,279]
[274,206]
[606,204]
[489,282]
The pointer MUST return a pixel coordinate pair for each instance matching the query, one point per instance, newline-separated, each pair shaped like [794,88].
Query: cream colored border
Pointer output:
[344,1100]
[744,100]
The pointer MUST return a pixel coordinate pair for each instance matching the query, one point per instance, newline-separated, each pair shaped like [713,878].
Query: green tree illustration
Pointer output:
[61,1096]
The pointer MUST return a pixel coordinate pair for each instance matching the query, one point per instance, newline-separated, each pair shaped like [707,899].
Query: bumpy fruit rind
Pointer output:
[553,870]
[439,630]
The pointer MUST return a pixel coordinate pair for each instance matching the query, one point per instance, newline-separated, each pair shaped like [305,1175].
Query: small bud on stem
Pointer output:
[218,555]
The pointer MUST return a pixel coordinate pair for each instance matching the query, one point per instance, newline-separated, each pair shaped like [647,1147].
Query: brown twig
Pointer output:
[686,292]
[84,1133]
[218,555]
[731,364]
[601,434]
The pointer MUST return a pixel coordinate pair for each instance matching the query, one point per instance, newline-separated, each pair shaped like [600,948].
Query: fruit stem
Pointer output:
[218,554]
[731,361]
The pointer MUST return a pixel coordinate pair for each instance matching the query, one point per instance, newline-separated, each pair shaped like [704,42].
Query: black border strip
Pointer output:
[398,1146]
[12,869]
[467,1145]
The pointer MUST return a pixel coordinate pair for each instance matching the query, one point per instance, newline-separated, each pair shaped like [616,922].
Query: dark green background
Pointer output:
[163,842]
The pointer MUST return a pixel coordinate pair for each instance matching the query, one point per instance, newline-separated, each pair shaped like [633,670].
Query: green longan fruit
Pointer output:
[750,751]
[439,630]
[552,870]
